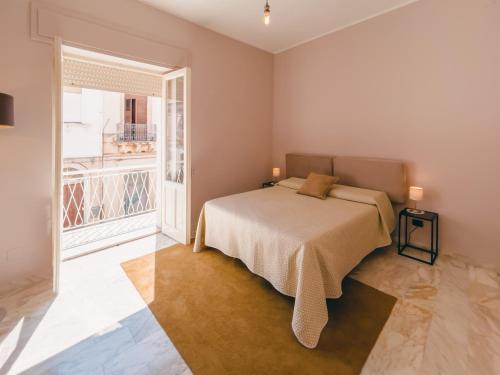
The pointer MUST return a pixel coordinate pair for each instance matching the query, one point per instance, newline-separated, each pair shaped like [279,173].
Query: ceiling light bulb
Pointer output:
[267,13]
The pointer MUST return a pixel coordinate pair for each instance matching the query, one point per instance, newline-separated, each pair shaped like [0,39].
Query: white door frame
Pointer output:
[57,107]
[57,160]
[186,73]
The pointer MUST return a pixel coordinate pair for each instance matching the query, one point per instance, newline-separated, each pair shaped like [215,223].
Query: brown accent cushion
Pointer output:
[318,185]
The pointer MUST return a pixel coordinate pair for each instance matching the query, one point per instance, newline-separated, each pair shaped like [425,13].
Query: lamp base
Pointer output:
[415,211]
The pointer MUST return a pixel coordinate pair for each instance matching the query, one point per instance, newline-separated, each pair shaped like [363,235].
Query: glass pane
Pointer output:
[175,130]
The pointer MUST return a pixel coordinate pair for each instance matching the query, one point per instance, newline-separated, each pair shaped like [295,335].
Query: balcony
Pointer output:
[102,204]
[136,132]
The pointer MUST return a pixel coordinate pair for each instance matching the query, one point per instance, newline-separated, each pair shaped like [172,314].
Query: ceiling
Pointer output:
[293,22]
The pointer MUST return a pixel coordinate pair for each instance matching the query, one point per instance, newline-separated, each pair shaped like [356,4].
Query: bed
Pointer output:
[305,246]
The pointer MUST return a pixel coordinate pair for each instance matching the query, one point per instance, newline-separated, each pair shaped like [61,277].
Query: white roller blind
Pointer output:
[104,77]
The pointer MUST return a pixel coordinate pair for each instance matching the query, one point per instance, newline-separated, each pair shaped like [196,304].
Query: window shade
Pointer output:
[104,77]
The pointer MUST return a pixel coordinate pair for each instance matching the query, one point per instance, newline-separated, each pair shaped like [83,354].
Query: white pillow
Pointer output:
[292,183]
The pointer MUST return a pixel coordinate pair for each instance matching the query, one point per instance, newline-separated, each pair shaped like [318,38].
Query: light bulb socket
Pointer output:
[267,13]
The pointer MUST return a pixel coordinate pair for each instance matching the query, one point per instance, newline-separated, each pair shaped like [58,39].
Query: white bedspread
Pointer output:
[303,246]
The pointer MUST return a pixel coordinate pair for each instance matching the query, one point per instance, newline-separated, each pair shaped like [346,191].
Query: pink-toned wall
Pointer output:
[421,84]
[231,120]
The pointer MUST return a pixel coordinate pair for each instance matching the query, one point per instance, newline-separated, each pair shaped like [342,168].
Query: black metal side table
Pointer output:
[417,220]
[268,184]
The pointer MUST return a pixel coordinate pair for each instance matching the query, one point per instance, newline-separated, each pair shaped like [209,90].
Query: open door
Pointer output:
[57,94]
[176,165]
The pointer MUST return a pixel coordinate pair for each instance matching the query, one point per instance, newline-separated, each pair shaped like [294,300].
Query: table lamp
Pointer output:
[416,194]
[6,111]
[276,173]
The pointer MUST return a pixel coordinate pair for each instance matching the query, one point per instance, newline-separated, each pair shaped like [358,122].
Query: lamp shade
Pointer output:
[416,193]
[276,172]
[6,111]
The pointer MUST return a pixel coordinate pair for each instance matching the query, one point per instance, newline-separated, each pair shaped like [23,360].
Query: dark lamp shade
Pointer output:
[6,111]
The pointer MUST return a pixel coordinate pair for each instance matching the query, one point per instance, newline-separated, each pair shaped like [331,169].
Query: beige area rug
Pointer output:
[225,320]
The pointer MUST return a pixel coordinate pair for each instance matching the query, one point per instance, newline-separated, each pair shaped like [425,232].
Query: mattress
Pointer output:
[302,245]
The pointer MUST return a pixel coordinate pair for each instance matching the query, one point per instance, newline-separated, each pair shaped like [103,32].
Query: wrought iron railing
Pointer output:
[136,132]
[175,171]
[95,196]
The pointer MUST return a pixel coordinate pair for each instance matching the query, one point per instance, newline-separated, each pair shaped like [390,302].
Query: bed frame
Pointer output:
[369,173]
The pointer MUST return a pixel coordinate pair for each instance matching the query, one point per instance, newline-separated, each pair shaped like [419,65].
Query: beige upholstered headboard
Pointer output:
[300,165]
[376,174]
[369,173]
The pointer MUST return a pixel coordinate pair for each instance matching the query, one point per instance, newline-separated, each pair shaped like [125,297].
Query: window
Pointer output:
[136,127]
[136,109]
[130,111]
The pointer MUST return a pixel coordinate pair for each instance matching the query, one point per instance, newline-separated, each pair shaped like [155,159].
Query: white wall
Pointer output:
[82,139]
[112,108]
[155,113]
[98,110]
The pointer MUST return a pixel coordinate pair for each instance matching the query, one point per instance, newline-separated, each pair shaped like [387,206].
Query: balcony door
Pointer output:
[176,166]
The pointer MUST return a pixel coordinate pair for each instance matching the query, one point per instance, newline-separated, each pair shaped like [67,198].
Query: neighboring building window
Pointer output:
[130,110]
[135,127]
[136,109]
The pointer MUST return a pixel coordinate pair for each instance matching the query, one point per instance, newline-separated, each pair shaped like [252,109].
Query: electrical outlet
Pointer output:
[417,223]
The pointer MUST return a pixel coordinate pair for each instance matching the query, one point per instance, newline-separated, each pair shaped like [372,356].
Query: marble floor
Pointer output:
[98,324]
[446,320]
[77,237]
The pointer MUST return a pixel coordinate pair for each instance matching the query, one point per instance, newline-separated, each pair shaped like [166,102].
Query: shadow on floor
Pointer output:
[136,344]
[18,326]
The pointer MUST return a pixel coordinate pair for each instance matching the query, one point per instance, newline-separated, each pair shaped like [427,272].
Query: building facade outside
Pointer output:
[109,155]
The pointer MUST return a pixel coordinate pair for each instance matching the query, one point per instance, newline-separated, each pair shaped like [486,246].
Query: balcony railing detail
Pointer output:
[99,195]
[175,171]
[136,132]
